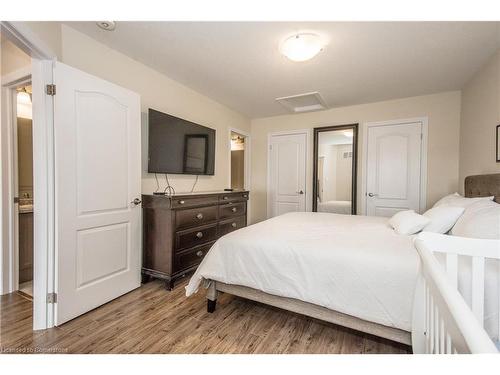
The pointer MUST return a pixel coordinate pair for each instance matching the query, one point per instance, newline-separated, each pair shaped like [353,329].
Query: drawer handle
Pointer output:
[199,234]
[199,216]
[234,209]
[225,198]
[245,196]
[199,254]
[233,225]
[181,202]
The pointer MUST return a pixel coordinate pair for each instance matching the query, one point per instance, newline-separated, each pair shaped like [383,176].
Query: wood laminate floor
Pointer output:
[152,320]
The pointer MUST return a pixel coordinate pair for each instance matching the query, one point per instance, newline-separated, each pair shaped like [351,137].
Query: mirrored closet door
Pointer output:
[334,174]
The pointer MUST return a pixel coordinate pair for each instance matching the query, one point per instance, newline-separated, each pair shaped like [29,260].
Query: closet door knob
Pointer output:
[372,195]
[234,209]
[199,216]
[199,234]
[136,201]
[233,225]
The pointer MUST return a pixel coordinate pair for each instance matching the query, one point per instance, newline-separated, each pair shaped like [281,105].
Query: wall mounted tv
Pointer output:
[179,146]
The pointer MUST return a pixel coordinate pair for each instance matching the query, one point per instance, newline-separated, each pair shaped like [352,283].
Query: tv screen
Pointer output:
[179,146]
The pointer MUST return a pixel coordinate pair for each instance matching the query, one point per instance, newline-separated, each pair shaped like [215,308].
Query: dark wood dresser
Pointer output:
[179,230]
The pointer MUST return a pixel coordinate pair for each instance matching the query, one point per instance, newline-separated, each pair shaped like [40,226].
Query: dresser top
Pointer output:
[212,192]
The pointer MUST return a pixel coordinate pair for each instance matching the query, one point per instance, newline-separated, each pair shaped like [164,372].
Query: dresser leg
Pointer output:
[169,285]
[211,305]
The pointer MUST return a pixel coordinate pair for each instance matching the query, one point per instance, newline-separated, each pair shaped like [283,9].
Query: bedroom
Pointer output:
[365,131]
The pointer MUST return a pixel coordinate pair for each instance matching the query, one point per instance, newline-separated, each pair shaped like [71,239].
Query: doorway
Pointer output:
[24,191]
[238,156]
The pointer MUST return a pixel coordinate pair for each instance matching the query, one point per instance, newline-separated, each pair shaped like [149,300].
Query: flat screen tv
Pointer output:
[178,146]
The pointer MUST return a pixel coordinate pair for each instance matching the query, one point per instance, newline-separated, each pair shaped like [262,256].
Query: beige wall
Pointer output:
[442,110]
[12,58]
[162,93]
[480,116]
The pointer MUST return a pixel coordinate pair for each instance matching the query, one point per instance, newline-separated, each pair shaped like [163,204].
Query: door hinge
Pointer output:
[421,135]
[50,89]
[51,297]
[16,199]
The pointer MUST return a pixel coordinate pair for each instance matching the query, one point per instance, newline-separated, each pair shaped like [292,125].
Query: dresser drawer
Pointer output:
[191,257]
[231,225]
[195,236]
[233,197]
[195,216]
[179,202]
[231,210]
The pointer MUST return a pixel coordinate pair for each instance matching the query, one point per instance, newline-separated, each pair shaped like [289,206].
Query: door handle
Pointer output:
[136,201]
[300,192]
[372,195]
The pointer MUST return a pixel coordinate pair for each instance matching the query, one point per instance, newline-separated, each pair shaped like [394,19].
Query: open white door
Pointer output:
[98,177]
[287,174]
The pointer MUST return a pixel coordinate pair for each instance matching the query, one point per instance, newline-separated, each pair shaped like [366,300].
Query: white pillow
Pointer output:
[457,200]
[408,222]
[442,218]
[480,220]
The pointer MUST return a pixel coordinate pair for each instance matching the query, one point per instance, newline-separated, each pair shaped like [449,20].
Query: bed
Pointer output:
[335,207]
[349,270]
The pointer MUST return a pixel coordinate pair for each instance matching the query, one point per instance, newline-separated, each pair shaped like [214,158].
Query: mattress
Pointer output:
[335,207]
[356,265]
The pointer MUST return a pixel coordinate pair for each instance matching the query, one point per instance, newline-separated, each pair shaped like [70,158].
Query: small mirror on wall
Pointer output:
[334,173]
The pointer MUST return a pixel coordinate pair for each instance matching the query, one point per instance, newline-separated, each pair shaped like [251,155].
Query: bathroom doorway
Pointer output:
[24,134]
[237,161]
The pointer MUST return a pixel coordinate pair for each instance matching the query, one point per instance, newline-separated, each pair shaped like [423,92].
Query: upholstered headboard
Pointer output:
[484,185]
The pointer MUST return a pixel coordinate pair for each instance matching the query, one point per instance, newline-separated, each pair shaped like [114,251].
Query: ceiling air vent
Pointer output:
[311,101]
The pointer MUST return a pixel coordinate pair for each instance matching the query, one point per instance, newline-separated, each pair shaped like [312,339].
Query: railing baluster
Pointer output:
[431,328]
[452,268]
[478,288]
[448,343]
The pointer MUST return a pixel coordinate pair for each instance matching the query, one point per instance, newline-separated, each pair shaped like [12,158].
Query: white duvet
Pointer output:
[356,265]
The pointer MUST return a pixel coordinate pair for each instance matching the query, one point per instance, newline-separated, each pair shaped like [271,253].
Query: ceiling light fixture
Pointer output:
[302,47]
[23,108]
[106,25]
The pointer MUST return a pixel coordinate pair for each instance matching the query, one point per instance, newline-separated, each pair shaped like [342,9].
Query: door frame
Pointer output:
[354,166]
[307,133]
[247,162]
[43,177]
[424,120]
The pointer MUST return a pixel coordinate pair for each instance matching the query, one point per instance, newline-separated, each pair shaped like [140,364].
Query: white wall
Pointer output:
[159,92]
[480,116]
[344,174]
[442,110]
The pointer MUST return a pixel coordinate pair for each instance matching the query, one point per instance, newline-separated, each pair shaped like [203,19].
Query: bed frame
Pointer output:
[475,186]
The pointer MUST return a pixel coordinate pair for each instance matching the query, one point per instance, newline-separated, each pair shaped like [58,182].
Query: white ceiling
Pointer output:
[239,64]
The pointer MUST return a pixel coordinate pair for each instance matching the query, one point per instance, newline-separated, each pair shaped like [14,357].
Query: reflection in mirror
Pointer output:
[335,152]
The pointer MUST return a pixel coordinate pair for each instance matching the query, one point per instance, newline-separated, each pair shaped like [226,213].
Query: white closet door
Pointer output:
[98,177]
[393,177]
[287,170]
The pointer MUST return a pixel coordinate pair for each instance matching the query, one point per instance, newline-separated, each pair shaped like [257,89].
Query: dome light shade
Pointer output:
[302,47]
[24,109]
